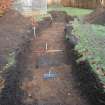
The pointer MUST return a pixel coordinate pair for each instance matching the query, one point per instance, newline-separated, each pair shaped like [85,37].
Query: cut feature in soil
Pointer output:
[58,87]
[60,16]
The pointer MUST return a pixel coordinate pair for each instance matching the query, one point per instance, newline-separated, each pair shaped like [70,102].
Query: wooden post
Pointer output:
[34,26]
[46,46]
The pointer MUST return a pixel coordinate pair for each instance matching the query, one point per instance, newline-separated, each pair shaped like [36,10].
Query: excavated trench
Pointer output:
[44,73]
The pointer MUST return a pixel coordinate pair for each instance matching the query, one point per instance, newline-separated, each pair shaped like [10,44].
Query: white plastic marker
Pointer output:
[50,75]
[46,46]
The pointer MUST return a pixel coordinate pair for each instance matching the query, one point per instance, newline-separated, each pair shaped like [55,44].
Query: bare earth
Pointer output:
[60,90]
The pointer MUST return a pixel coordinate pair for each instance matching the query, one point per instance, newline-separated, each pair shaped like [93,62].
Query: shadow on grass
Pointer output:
[11,94]
[89,82]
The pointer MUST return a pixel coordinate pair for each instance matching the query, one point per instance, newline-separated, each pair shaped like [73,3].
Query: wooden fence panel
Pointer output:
[80,3]
[76,3]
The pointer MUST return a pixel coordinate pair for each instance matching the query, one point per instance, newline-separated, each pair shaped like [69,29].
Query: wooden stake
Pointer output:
[34,32]
[46,46]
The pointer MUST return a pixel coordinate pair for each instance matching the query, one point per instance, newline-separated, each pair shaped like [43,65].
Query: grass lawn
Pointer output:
[69,10]
[91,46]
[72,11]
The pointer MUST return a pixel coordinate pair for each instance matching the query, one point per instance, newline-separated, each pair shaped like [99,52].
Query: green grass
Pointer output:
[71,11]
[91,46]
[11,61]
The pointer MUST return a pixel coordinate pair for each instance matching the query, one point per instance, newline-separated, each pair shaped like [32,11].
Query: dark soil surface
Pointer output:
[32,87]
[61,16]
[61,90]
[96,17]
[14,30]
[28,82]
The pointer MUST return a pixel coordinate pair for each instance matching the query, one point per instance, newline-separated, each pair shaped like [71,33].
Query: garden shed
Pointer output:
[29,6]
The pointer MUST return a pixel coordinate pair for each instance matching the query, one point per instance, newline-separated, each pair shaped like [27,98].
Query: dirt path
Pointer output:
[37,89]
[59,90]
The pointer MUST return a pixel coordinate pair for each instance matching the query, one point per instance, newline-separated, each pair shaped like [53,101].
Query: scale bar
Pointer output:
[54,51]
[49,51]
